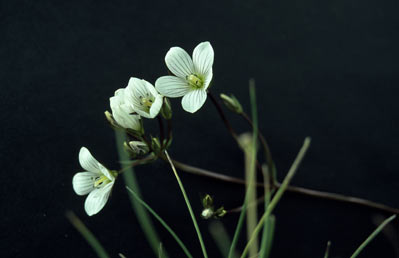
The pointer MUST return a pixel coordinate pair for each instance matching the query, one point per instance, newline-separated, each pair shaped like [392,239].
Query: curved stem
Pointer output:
[293,189]
[222,115]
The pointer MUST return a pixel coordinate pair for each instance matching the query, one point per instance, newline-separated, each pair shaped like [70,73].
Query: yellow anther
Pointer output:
[101,180]
[146,102]
[195,81]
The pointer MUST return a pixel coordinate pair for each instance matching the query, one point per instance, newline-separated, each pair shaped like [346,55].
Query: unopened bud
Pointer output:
[166,110]
[156,145]
[111,119]
[138,147]
[207,201]
[231,103]
[207,213]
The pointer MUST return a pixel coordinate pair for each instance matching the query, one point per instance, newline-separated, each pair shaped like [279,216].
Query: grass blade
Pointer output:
[131,181]
[220,236]
[86,233]
[279,193]
[372,236]
[166,226]
[188,206]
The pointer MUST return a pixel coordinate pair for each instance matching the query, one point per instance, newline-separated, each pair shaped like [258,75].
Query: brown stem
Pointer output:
[293,189]
[222,115]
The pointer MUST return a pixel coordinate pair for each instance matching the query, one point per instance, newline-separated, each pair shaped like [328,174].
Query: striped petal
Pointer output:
[194,100]
[172,86]
[179,62]
[203,56]
[87,161]
[97,199]
[83,182]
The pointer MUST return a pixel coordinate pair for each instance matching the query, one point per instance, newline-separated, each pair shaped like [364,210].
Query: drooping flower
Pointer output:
[122,111]
[97,181]
[146,101]
[192,76]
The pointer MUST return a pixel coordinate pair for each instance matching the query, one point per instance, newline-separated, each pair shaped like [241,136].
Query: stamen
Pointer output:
[195,81]
[99,181]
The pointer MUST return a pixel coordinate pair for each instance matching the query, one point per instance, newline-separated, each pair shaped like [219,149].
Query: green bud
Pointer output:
[156,145]
[220,212]
[111,120]
[207,201]
[166,110]
[231,103]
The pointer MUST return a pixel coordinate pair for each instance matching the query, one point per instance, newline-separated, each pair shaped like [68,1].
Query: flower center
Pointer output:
[101,180]
[147,102]
[195,81]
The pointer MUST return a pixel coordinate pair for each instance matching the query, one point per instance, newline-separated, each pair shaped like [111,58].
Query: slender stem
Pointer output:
[166,226]
[188,206]
[222,115]
[327,252]
[293,189]
[372,236]
[268,155]
[86,233]
[161,129]
[136,163]
[278,194]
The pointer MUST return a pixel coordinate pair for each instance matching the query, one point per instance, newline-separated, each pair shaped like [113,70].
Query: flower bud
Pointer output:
[207,213]
[207,201]
[156,145]
[231,103]
[138,147]
[166,110]
[111,119]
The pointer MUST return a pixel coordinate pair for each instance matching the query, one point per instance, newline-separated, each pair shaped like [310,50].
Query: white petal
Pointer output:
[96,200]
[87,161]
[179,62]
[106,173]
[156,106]
[203,56]
[125,119]
[193,100]
[133,90]
[83,182]
[142,111]
[171,86]
[208,79]
[151,89]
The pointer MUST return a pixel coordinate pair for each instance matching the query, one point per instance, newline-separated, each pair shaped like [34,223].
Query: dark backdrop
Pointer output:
[325,69]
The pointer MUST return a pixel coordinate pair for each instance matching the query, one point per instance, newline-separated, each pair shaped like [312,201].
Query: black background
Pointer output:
[325,69]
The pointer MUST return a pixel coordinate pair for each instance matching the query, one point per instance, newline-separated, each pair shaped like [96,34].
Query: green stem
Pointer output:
[188,206]
[178,240]
[141,214]
[372,236]
[327,252]
[278,194]
[85,232]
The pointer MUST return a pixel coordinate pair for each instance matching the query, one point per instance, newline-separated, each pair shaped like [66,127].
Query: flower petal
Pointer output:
[208,79]
[172,86]
[156,106]
[203,56]
[83,182]
[87,161]
[179,62]
[96,200]
[106,173]
[193,100]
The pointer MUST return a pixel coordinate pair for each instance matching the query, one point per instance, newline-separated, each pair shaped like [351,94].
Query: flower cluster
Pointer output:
[190,80]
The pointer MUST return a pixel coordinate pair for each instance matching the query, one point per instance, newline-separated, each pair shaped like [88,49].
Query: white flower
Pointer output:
[97,181]
[147,102]
[122,111]
[192,76]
